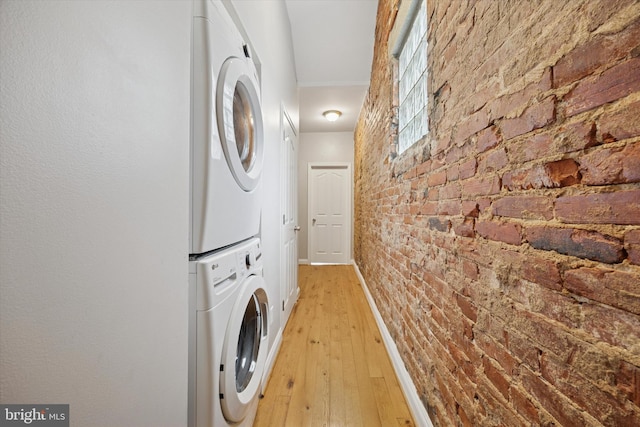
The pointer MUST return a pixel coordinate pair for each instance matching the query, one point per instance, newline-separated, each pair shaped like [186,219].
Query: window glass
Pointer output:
[243,126]
[248,345]
[412,74]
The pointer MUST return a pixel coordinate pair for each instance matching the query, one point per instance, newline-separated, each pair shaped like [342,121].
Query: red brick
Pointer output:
[437,178]
[483,204]
[429,208]
[439,224]
[487,139]
[532,148]
[450,191]
[481,186]
[453,173]
[632,245]
[574,136]
[596,53]
[496,406]
[534,117]
[552,401]
[467,307]
[468,169]
[564,139]
[411,173]
[474,123]
[598,403]
[493,161]
[524,207]
[506,232]
[523,349]
[578,243]
[461,359]
[470,208]
[501,107]
[424,167]
[552,305]
[412,257]
[470,269]
[418,183]
[432,194]
[621,123]
[449,207]
[615,288]
[454,154]
[497,378]
[464,418]
[543,272]
[611,325]
[614,83]
[616,165]
[523,405]
[464,227]
[442,144]
[628,381]
[497,352]
[621,207]
[561,173]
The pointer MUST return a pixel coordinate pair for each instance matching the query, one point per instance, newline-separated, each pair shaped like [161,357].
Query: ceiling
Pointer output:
[333,50]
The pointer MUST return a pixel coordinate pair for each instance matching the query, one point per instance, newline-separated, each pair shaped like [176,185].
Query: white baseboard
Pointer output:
[303,261]
[418,411]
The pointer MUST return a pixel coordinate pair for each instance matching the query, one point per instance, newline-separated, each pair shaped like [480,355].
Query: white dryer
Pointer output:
[228,336]
[227,142]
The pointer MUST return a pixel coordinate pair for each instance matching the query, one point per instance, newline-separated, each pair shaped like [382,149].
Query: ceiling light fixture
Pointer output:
[332,115]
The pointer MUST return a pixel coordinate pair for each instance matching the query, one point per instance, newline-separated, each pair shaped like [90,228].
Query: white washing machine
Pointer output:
[227,142]
[228,336]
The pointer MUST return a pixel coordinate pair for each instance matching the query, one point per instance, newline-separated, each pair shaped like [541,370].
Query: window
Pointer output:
[413,122]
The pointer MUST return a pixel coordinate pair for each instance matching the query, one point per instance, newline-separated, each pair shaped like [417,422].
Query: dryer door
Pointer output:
[244,351]
[240,121]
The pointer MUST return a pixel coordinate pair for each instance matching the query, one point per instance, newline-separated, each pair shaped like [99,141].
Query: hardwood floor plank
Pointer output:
[332,369]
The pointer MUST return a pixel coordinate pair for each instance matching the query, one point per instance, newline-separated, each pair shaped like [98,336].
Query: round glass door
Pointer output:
[244,351]
[240,121]
[244,127]
[248,345]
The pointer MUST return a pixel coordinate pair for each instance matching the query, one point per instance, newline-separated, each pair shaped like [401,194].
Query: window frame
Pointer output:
[408,14]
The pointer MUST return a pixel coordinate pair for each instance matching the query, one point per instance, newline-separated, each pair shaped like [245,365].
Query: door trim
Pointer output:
[348,223]
[288,193]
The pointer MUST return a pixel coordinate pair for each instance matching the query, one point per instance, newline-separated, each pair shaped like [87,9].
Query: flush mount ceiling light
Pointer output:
[332,115]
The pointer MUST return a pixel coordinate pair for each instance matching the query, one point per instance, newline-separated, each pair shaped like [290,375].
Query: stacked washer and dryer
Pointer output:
[228,324]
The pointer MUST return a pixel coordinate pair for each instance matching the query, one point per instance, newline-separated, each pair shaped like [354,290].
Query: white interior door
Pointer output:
[289,284]
[329,213]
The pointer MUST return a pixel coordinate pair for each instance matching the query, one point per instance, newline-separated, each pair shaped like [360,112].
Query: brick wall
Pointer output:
[503,251]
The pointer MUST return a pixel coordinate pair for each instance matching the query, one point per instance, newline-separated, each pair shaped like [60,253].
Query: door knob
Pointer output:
[313,222]
[296,228]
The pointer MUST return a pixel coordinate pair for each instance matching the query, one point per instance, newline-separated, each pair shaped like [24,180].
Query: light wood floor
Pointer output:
[332,369]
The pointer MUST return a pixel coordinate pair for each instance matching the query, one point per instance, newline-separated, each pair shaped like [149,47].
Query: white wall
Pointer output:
[318,147]
[267,25]
[94,139]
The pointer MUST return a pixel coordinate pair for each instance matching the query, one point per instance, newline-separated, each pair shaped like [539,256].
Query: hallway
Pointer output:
[333,368]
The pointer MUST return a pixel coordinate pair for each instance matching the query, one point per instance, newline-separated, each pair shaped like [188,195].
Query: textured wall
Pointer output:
[503,251]
[94,208]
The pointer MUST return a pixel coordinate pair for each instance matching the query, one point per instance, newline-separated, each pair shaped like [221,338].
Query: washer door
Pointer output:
[244,351]
[240,121]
